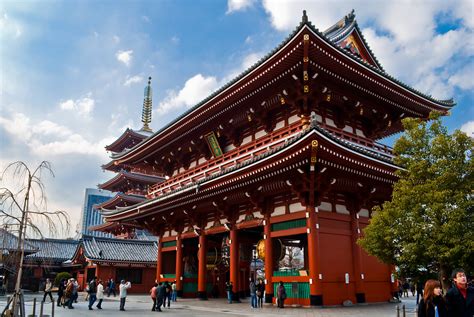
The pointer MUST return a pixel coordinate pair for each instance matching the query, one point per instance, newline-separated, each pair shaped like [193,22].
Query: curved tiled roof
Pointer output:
[343,28]
[314,127]
[9,242]
[120,250]
[57,250]
[304,23]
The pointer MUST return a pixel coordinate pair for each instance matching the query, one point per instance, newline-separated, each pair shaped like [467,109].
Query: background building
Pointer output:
[90,215]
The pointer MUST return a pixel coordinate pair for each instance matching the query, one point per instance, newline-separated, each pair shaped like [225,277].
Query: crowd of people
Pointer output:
[457,302]
[68,292]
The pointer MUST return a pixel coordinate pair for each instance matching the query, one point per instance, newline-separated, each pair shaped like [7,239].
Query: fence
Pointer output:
[27,308]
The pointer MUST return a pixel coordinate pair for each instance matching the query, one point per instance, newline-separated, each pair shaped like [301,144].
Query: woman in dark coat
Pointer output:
[432,304]
[281,295]
[61,288]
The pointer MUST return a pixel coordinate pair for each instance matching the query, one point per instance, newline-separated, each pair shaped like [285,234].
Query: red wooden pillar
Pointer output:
[179,266]
[234,262]
[159,263]
[267,229]
[202,294]
[312,229]
[357,257]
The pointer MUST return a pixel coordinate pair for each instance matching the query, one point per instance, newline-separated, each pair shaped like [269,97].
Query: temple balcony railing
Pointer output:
[257,147]
[360,140]
[227,160]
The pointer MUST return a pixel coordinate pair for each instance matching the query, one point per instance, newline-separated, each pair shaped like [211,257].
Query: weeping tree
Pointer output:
[23,207]
[427,227]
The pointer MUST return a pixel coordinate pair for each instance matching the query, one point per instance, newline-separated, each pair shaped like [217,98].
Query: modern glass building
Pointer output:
[90,215]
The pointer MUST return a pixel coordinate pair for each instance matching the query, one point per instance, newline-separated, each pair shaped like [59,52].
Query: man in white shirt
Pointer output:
[123,293]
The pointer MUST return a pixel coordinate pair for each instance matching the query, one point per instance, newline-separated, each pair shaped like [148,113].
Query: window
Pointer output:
[132,275]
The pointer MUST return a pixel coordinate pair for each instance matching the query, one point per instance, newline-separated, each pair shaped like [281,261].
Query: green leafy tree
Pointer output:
[60,276]
[428,226]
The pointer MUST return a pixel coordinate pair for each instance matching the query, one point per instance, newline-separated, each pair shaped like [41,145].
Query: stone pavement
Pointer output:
[140,305]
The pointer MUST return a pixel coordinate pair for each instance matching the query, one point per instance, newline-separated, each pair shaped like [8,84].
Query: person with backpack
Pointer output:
[92,292]
[68,293]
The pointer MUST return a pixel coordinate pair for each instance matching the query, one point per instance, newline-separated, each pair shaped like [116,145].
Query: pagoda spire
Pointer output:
[147,107]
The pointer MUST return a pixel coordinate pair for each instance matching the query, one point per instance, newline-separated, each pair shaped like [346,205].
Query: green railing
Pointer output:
[303,290]
[169,275]
[169,244]
[298,223]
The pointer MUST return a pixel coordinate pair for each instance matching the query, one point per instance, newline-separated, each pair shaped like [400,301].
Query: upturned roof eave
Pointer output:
[349,146]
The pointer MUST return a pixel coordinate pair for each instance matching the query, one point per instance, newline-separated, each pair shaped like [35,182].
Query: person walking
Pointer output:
[281,295]
[47,290]
[92,292]
[75,290]
[228,289]
[160,296]
[153,296]
[432,304]
[168,291]
[460,297]
[419,291]
[253,293]
[100,294]
[260,292]
[123,287]
[174,294]
[68,293]
[111,287]
[61,287]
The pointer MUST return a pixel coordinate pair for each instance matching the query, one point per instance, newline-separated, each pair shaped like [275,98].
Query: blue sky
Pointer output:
[72,73]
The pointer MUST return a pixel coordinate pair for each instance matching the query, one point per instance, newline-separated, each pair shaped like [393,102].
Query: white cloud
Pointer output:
[116,39]
[468,128]
[10,27]
[67,105]
[195,89]
[237,5]
[175,40]
[402,34]
[133,80]
[124,56]
[83,106]
[46,138]
[464,79]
